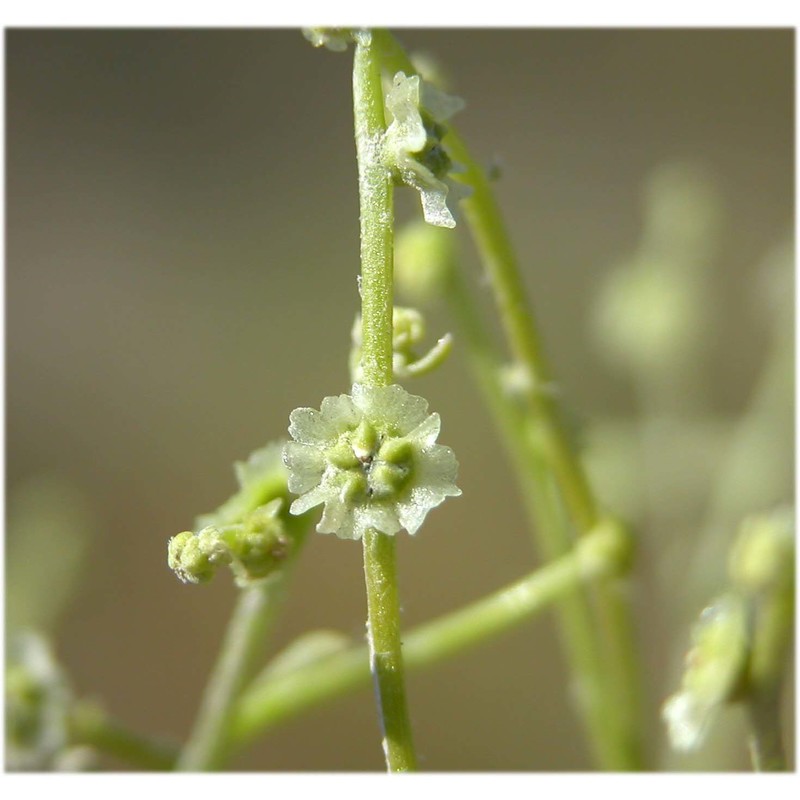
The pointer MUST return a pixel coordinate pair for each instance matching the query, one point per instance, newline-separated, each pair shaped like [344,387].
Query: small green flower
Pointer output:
[715,668]
[371,458]
[413,143]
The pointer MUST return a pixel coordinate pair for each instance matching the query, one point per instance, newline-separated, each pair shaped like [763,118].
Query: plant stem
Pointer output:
[91,726]
[380,568]
[545,517]
[620,674]
[386,657]
[376,202]
[516,316]
[287,695]
[244,640]
[770,650]
[766,747]
[621,671]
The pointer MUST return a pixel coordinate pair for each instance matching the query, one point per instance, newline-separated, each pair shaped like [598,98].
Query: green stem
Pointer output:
[386,656]
[766,746]
[287,695]
[494,245]
[621,672]
[252,618]
[622,715]
[516,316]
[771,646]
[380,570]
[545,516]
[376,202]
[497,254]
[91,726]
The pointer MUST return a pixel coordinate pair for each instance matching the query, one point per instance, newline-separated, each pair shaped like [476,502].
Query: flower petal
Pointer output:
[340,413]
[391,409]
[306,465]
[309,426]
[412,515]
[440,105]
[427,431]
[309,500]
[382,517]
[339,519]
[406,131]
[437,470]
[434,208]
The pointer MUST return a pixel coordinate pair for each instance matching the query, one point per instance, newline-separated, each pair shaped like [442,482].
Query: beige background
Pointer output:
[181,260]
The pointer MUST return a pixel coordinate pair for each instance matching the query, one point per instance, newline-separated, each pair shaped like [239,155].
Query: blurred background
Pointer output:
[182,251]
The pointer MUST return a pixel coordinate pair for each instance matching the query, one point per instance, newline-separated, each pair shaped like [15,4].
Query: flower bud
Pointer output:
[259,545]
[194,557]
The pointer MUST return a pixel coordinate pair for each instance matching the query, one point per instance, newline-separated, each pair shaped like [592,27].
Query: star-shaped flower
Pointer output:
[371,458]
[413,143]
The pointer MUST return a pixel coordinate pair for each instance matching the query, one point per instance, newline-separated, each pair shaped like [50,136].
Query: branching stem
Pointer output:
[287,695]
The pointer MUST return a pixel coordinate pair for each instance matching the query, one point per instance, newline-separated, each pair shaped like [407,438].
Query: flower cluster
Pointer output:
[371,458]
[248,532]
[413,143]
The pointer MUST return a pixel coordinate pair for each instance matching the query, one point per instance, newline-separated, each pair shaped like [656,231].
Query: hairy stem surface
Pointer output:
[380,569]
